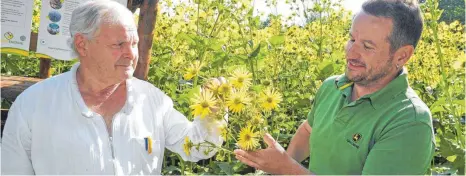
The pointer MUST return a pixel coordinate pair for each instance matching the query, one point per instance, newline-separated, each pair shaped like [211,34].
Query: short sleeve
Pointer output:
[404,150]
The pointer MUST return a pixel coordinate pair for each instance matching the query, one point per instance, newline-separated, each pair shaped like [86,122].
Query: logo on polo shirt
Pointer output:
[354,140]
[356,137]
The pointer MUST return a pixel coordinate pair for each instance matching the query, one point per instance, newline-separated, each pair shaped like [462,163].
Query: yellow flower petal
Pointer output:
[248,139]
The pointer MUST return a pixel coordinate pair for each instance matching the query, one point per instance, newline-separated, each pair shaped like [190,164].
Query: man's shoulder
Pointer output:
[420,110]
[144,87]
[47,87]
[408,108]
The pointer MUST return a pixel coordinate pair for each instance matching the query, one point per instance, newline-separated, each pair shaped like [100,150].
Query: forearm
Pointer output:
[299,145]
[203,135]
[292,167]
[297,169]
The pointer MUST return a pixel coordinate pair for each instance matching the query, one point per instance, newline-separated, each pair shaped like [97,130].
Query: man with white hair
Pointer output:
[96,118]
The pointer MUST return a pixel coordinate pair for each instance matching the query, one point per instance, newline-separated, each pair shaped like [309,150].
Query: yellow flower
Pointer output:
[192,70]
[241,78]
[213,85]
[257,119]
[190,74]
[269,99]
[237,101]
[203,103]
[187,146]
[248,139]
[224,89]
[223,131]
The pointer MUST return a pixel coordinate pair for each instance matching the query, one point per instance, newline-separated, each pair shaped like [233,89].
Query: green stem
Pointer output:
[201,59]
[197,25]
[319,53]
[440,55]
[212,145]
[164,162]
[182,164]
[215,24]
[251,66]
[444,83]
[278,135]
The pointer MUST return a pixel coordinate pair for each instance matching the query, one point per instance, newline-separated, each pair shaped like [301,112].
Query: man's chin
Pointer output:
[128,76]
[129,73]
[124,76]
[354,78]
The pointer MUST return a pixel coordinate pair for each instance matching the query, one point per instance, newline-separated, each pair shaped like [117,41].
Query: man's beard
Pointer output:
[371,75]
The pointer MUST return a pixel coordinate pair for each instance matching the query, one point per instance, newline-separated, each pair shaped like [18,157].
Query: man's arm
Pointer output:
[273,159]
[403,150]
[16,144]
[299,145]
[177,127]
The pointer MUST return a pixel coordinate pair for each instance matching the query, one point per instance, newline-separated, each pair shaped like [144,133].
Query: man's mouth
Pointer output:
[355,64]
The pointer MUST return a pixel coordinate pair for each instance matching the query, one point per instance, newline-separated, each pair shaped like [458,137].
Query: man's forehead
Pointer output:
[118,27]
[120,32]
[370,23]
[368,18]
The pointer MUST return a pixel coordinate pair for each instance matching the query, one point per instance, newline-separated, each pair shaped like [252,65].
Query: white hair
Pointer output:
[90,15]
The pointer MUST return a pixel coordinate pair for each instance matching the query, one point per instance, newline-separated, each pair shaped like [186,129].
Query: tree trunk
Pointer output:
[146,25]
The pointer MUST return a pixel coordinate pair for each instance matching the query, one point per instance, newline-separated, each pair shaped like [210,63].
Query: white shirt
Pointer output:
[50,130]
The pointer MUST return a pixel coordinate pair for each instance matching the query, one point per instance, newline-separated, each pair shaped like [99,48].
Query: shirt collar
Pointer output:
[378,98]
[85,111]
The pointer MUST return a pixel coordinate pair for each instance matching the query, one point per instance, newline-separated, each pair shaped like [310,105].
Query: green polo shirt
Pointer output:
[386,132]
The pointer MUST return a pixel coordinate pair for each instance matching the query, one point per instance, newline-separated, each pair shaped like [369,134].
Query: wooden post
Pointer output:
[44,69]
[146,25]
[45,64]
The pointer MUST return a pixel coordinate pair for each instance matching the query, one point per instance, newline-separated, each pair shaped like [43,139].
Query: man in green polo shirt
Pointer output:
[368,120]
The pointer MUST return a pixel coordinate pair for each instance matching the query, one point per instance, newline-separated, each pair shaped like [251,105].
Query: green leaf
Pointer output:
[185,37]
[459,102]
[277,40]
[225,167]
[437,109]
[255,52]
[215,45]
[439,102]
[326,69]
[452,158]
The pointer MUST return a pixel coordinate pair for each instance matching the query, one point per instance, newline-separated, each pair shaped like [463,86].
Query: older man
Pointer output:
[97,119]
[368,120]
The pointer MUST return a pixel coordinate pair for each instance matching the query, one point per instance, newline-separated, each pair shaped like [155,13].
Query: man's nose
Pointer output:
[130,51]
[352,51]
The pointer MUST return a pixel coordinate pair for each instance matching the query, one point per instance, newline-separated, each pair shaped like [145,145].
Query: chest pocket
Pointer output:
[146,153]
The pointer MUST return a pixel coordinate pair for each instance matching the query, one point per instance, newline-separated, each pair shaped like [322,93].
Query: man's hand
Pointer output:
[273,159]
[222,118]
[211,84]
[214,82]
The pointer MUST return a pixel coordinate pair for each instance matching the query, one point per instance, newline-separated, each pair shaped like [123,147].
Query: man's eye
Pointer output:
[367,47]
[118,45]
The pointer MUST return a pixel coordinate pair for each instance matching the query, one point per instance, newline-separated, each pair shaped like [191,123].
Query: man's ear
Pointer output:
[403,54]
[80,43]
